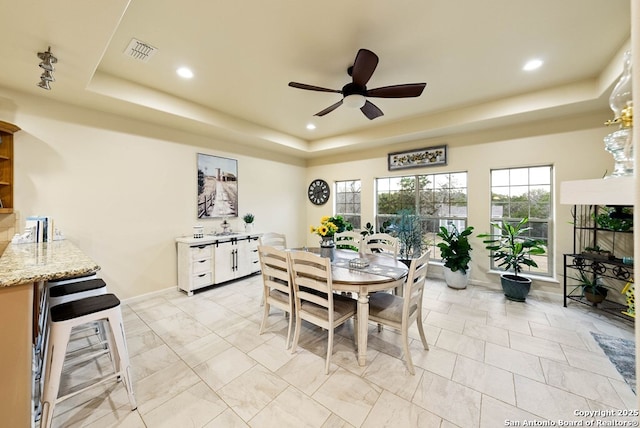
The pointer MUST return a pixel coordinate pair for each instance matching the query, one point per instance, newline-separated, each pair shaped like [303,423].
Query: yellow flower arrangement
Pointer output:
[330,225]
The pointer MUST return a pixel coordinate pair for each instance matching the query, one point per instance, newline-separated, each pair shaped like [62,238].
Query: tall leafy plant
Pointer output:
[455,248]
[510,248]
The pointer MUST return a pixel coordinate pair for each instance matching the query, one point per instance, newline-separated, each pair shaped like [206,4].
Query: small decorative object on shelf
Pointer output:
[619,143]
[629,291]
[198,231]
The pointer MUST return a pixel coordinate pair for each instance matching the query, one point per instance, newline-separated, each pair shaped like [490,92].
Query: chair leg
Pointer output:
[289,330]
[425,345]
[329,351]
[296,335]
[265,315]
[407,354]
[56,351]
[123,365]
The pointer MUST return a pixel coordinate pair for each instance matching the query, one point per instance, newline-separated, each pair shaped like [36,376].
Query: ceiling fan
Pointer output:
[355,93]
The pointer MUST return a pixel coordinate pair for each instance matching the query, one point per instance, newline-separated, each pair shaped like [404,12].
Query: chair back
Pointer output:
[349,240]
[381,243]
[414,286]
[274,263]
[313,287]
[272,239]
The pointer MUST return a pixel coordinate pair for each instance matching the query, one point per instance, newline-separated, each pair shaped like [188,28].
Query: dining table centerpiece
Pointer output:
[329,226]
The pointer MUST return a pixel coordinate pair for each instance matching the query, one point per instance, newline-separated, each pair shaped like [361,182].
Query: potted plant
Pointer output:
[408,229]
[512,250]
[456,254]
[248,222]
[592,287]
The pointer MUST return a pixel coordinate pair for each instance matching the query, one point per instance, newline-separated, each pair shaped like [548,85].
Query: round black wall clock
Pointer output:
[318,192]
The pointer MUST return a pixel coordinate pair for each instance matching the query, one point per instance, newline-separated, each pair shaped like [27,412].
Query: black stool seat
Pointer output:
[82,307]
[76,287]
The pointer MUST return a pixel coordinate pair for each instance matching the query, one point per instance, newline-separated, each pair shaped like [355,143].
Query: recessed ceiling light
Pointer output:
[311,126]
[185,72]
[533,64]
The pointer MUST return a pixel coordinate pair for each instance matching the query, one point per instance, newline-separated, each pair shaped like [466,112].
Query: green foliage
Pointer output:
[510,249]
[591,284]
[248,218]
[369,230]
[455,250]
[611,220]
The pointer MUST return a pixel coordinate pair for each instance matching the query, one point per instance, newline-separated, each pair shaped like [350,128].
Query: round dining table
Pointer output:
[383,272]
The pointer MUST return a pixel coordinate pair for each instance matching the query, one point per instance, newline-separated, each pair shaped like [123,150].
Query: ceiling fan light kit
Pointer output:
[354,94]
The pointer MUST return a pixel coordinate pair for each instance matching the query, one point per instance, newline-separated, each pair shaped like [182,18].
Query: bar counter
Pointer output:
[23,270]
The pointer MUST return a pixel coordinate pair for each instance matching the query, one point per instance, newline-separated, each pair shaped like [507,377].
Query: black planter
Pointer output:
[515,288]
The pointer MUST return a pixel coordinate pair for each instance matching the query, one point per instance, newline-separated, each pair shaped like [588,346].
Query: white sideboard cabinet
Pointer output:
[212,260]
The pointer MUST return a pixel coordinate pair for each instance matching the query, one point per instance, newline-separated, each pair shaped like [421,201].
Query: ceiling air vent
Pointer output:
[140,50]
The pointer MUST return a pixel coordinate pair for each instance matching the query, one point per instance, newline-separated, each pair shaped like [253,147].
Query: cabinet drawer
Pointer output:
[202,280]
[201,252]
[201,266]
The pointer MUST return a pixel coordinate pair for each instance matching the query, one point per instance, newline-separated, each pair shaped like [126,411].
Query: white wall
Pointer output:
[123,190]
[574,154]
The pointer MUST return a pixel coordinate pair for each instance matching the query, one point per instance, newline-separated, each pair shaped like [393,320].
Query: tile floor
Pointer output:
[200,362]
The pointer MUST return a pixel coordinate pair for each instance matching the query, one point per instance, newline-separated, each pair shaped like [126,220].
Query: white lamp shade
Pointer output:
[354,101]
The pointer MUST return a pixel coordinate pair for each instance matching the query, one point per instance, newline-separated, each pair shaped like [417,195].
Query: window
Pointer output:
[525,192]
[348,201]
[437,200]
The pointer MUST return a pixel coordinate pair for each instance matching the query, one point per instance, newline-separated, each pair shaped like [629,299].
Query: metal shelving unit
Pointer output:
[609,265]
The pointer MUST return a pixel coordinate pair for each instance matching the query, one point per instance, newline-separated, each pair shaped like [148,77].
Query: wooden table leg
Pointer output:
[363,325]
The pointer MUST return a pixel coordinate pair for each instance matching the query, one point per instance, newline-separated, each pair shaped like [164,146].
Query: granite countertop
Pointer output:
[28,263]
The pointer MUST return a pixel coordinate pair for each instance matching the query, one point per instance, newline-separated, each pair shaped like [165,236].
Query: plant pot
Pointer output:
[515,288]
[597,297]
[248,227]
[457,279]
[328,247]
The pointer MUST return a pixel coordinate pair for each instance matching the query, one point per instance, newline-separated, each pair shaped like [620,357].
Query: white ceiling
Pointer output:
[243,54]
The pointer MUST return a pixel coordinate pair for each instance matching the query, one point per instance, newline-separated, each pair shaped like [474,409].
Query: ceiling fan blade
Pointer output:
[312,88]
[371,110]
[329,109]
[397,91]
[364,66]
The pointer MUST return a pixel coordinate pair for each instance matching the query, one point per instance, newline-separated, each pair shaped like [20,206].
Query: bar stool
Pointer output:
[63,318]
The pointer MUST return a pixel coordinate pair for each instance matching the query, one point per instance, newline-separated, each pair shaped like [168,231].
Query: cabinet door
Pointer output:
[225,261]
[248,261]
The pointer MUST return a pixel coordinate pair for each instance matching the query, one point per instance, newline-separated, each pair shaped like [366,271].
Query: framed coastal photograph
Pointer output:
[217,186]
[429,156]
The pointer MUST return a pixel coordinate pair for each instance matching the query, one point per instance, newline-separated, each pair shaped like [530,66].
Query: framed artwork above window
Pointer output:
[217,187]
[418,158]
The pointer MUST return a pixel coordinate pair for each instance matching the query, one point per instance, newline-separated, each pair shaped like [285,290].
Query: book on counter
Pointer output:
[42,226]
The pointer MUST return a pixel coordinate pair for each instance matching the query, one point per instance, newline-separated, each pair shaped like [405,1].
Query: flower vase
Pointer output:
[248,227]
[327,247]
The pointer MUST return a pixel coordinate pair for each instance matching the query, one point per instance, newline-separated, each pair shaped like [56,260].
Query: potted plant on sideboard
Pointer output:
[248,222]
[456,254]
[511,250]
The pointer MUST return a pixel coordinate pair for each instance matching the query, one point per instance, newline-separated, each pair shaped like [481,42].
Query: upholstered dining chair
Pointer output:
[272,239]
[381,243]
[277,289]
[400,312]
[349,240]
[315,301]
